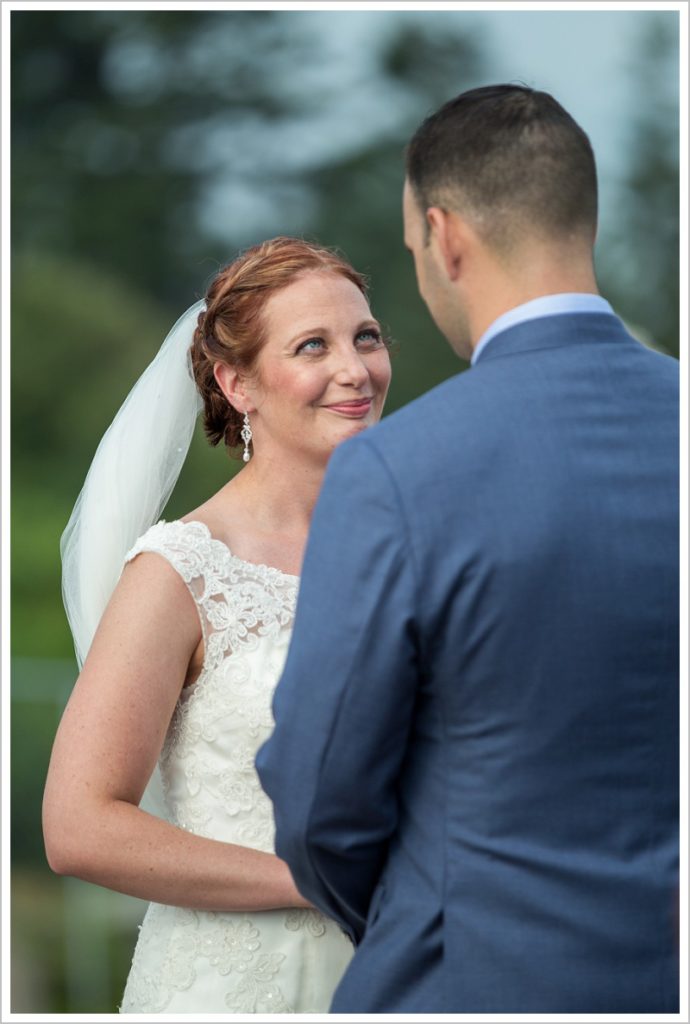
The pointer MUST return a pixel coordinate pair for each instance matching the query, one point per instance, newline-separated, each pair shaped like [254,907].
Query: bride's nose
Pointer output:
[351,369]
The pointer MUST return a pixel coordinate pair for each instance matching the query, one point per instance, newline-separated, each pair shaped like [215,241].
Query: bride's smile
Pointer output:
[356,408]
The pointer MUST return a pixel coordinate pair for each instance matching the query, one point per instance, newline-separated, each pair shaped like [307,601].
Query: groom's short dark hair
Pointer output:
[509,157]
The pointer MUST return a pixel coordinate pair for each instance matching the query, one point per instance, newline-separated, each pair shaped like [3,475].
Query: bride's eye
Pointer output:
[310,345]
[369,338]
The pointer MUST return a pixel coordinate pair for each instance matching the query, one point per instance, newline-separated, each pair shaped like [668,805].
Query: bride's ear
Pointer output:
[232,384]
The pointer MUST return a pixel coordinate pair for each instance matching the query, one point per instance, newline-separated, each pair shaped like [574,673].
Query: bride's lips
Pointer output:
[355,409]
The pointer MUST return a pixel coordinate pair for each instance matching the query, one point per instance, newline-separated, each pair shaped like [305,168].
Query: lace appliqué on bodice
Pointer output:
[239,602]
[227,962]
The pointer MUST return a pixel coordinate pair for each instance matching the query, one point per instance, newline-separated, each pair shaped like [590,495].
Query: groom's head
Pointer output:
[509,157]
[509,167]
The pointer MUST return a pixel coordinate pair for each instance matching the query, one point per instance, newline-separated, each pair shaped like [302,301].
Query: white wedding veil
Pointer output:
[130,480]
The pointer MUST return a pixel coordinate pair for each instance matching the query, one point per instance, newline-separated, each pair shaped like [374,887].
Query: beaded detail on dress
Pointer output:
[190,961]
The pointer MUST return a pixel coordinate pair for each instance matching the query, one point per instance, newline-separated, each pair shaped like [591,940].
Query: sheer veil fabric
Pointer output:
[130,479]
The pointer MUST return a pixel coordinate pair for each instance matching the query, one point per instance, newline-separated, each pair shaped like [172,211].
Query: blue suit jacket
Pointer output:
[475,761]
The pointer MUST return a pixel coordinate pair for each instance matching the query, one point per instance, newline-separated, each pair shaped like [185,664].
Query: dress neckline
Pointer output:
[242,561]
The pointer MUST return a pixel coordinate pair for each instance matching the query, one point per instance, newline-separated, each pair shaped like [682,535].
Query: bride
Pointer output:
[186,647]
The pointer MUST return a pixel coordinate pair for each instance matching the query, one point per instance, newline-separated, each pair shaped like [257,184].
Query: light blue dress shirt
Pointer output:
[545,305]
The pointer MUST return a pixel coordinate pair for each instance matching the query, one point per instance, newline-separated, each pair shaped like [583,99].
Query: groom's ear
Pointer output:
[231,383]
[448,238]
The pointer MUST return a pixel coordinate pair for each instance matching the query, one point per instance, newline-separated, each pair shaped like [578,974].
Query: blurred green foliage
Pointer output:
[36,720]
[640,273]
[71,945]
[148,147]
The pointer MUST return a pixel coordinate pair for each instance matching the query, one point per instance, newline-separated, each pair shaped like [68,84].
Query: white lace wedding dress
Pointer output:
[189,961]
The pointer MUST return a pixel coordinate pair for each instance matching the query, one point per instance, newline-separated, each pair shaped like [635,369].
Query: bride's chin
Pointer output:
[351,430]
[348,430]
[357,426]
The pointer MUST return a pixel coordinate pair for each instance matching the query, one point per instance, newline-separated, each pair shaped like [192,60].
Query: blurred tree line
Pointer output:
[639,266]
[148,147]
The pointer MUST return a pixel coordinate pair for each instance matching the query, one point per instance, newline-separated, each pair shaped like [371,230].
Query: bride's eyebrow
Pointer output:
[308,332]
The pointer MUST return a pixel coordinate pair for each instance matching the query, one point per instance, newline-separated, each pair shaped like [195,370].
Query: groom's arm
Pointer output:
[344,704]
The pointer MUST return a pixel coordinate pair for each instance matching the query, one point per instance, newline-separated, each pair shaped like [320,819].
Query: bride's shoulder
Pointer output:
[181,542]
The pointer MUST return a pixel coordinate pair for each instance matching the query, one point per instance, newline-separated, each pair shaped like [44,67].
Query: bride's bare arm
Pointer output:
[106,748]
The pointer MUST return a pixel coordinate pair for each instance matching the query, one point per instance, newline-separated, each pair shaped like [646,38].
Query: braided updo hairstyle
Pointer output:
[230,330]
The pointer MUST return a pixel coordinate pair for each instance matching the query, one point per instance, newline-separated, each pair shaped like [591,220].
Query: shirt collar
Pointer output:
[545,305]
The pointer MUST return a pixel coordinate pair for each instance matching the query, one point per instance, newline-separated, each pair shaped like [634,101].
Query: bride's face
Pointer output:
[323,373]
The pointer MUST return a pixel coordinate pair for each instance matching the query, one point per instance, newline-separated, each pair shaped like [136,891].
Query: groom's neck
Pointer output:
[531,275]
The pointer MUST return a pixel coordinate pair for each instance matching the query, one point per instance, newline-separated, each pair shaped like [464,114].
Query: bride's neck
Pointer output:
[282,498]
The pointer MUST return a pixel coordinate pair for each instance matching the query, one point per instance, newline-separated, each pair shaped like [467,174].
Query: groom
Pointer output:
[475,760]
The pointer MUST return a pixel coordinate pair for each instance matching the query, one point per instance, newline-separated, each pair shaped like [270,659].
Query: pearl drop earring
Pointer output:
[246,435]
